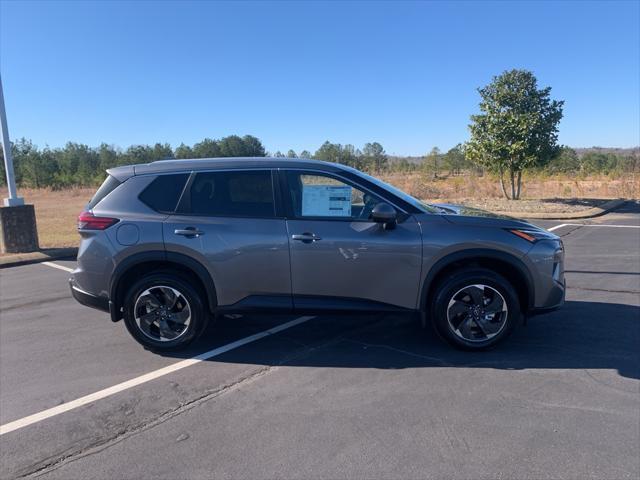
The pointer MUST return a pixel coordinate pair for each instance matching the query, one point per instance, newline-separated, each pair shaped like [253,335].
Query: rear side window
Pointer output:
[232,194]
[105,189]
[163,193]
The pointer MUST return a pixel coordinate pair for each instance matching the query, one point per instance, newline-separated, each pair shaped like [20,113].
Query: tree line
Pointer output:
[77,164]
[567,161]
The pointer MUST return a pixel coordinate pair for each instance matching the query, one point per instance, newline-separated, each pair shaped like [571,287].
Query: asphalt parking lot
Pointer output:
[331,396]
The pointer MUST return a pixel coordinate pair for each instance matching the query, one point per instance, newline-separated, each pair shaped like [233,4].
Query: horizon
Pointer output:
[295,75]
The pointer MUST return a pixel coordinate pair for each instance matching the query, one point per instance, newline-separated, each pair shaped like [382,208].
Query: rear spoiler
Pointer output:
[122,173]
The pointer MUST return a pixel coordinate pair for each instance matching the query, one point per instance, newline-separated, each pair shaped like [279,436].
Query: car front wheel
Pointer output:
[475,309]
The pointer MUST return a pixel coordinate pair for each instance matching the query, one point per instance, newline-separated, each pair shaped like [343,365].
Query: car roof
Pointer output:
[181,165]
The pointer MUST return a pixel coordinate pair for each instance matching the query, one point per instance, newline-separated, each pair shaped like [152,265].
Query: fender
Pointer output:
[470,254]
[159,256]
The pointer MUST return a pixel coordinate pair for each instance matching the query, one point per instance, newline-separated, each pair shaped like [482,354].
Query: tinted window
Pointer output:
[317,195]
[105,189]
[233,194]
[164,192]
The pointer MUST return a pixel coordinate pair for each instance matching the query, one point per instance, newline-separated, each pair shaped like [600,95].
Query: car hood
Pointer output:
[452,209]
[463,215]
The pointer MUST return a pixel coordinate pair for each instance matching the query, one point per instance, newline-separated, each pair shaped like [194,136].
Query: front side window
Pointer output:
[232,194]
[404,196]
[317,195]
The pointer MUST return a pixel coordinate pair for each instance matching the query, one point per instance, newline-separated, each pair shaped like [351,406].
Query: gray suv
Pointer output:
[168,245]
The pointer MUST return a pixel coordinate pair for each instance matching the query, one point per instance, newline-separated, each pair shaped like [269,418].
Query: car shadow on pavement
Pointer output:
[582,335]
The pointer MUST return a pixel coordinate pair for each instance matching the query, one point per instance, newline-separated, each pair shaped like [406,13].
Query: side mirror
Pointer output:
[385,214]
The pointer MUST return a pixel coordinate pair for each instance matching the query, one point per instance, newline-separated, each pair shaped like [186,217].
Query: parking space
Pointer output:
[333,396]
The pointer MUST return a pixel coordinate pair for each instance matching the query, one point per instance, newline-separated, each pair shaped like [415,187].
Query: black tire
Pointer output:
[471,333]
[191,296]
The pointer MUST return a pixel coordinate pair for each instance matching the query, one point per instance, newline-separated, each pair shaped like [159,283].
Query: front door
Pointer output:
[227,220]
[341,259]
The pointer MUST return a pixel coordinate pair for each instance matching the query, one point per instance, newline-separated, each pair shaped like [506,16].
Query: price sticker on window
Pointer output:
[326,201]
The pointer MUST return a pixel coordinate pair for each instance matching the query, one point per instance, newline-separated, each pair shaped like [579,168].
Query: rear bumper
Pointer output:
[87,299]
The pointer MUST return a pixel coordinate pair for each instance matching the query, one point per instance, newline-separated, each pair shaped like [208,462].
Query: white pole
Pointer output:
[13,199]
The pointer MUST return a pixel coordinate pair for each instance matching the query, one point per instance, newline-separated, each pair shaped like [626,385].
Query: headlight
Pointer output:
[533,235]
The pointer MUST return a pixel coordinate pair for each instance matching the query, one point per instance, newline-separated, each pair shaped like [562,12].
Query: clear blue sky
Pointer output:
[296,74]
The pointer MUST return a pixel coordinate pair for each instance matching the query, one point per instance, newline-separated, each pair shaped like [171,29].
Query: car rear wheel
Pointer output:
[162,311]
[475,309]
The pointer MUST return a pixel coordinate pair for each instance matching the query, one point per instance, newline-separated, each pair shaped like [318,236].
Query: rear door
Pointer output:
[228,221]
[340,258]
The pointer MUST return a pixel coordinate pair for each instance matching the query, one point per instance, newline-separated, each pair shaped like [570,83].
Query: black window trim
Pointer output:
[184,204]
[290,211]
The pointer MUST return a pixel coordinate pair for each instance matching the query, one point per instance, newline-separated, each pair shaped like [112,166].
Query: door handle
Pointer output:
[305,237]
[188,232]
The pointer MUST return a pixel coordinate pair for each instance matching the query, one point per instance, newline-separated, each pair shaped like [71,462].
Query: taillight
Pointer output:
[88,221]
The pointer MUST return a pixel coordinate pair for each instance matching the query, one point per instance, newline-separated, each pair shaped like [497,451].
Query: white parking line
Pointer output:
[601,225]
[590,225]
[59,267]
[65,407]
[557,227]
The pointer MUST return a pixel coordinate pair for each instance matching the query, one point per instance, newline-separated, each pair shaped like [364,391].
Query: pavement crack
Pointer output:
[575,229]
[404,352]
[43,300]
[588,289]
[123,434]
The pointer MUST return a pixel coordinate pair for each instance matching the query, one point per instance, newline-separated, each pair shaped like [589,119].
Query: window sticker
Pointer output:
[326,201]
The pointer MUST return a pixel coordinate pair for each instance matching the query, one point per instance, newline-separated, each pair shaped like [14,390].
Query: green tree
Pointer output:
[292,154]
[432,162]
[517,129]
[138,154]
[33,168]
[184,151]
[374,156]
[253,147]
[565,161]
[334,152]
[330,152]
[454,160]
[107,158]
[305,154]
[162,151]
[232,146]
[599,162]
[207,148]
[78,165]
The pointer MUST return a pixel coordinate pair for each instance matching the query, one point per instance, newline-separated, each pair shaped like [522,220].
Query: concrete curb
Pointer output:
[592,212]
[45,255]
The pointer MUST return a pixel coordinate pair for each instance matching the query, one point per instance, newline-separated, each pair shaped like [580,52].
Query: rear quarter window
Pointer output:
[108,186]
[163,193]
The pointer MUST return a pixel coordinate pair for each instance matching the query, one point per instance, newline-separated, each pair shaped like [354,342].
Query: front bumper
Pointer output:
[87,299]
[556,299]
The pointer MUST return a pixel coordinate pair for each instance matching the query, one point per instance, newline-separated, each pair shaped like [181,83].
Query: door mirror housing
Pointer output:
[385,214]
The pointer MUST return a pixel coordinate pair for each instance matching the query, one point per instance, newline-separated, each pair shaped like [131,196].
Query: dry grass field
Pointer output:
[471,188]
[56,211]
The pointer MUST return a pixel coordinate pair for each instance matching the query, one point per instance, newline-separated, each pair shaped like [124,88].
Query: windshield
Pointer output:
[425,207]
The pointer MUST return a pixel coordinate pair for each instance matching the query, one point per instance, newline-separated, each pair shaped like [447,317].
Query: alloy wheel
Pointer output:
[162,313]
[477,313]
